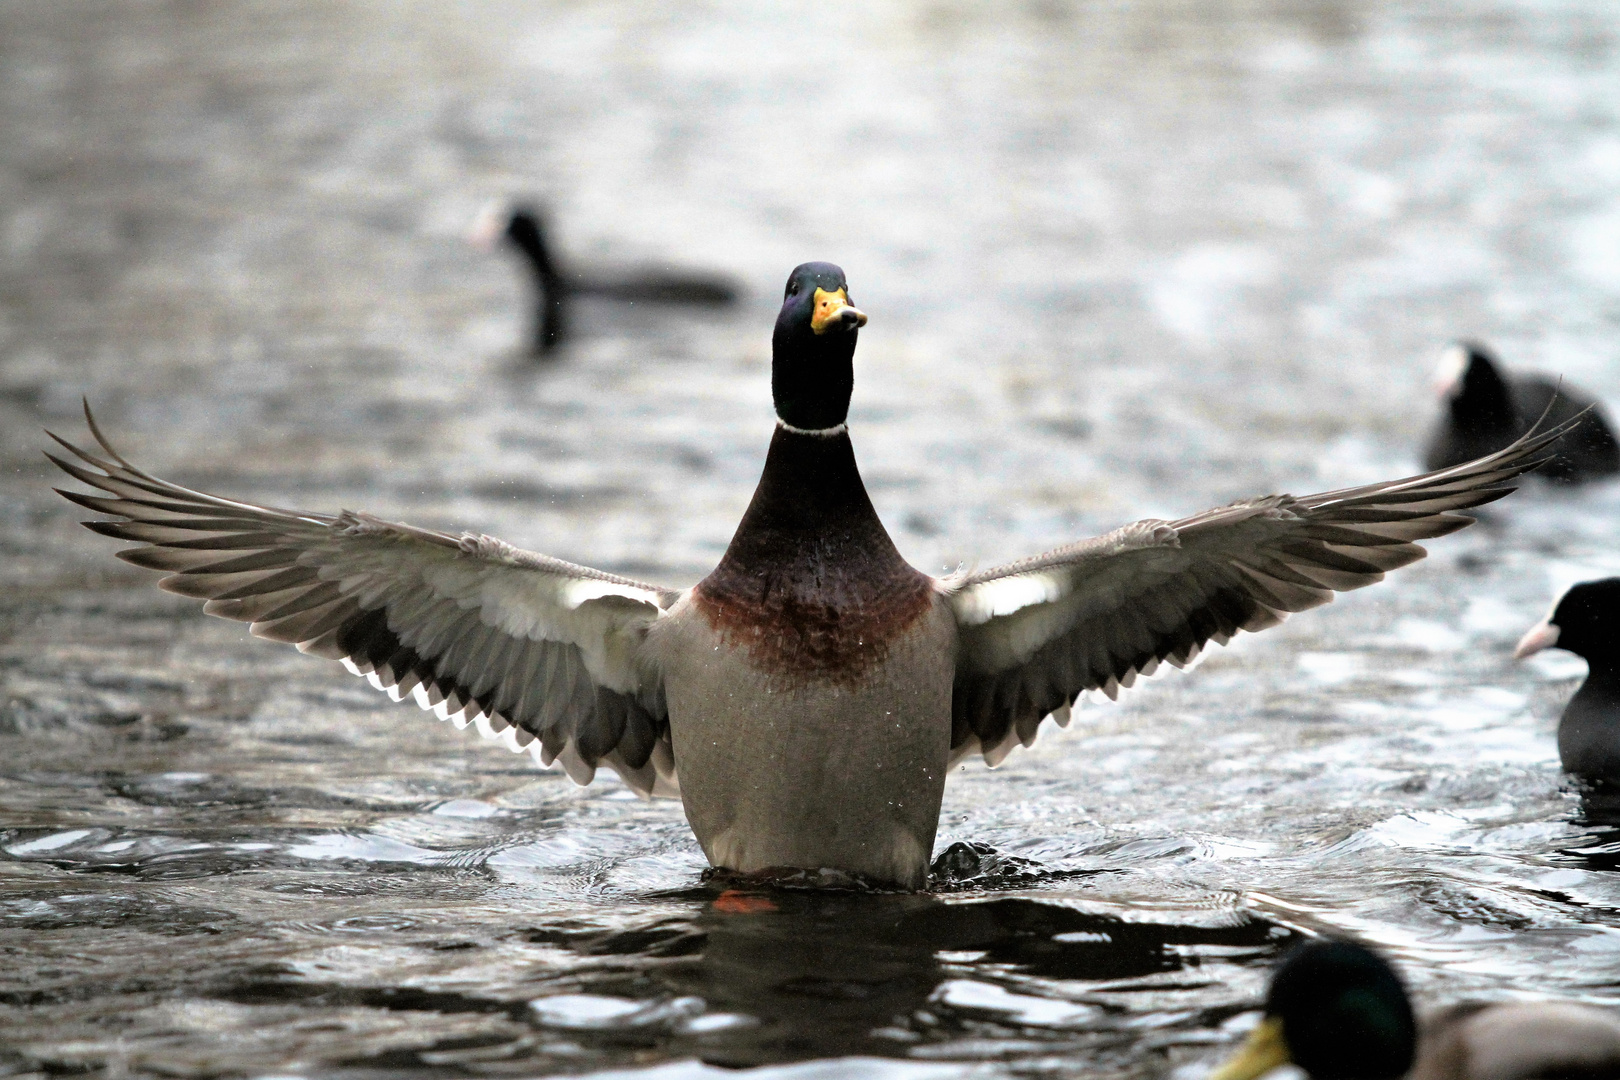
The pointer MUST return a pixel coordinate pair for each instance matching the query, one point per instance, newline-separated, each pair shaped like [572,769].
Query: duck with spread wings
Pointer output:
[806,699]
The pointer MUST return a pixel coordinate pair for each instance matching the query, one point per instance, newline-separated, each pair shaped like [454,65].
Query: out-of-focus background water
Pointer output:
[1120,260]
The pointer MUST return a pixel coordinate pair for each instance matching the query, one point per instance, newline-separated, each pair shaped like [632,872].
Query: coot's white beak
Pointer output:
[488,226]
[1449,372]
[1543,635]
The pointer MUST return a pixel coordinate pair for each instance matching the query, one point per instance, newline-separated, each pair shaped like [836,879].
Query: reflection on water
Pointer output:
[794,975]
[1119,260]
[731,978]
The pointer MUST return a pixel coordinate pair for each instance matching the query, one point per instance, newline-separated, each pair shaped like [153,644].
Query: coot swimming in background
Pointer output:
[1338,1011]
[812,624]
[1484,409]
[524,228]
[1586,622]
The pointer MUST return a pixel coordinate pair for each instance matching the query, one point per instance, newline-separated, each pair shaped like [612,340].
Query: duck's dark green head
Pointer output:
[1338,1012]
[1584,621]
[813,349]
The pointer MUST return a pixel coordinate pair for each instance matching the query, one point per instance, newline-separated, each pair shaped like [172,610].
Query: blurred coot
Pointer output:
[1485,408]
[523,228]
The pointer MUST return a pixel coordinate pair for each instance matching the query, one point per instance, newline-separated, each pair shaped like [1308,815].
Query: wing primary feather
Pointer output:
[449,623]
[182,532]
[460,652]
[508,689]
[304,625]
[485,671]
[532,691]
[260,583]
[603,730]
[641,731]
[266,559]
[360,636]
[325,646]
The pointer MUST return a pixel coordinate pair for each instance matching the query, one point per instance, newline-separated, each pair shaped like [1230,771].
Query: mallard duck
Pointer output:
[807,698]
[1486,409]
[1586,622]
[1339,1012]
[523,227]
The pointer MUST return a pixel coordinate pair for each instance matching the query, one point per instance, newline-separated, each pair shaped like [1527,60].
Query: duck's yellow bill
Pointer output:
[1265,1049]
[834,312]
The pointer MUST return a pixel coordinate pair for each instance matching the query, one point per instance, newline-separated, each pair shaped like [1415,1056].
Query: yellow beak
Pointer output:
[1265,1049]
[834,312]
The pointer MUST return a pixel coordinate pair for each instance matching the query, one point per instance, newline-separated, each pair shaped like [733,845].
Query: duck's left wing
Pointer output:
[540,653]
[1095,615]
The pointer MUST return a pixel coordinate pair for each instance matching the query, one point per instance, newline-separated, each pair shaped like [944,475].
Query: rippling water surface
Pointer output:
[1120,261]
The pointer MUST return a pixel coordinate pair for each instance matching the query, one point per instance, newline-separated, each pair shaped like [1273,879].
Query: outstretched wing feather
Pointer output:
[1037,633]
[471,628]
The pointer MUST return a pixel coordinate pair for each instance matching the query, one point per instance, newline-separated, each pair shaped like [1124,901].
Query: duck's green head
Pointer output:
[813,349]
[1338,1012]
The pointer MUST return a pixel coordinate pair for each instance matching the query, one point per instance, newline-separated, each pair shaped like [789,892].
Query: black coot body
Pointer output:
[525,232]
[523,227]
[1586,622]
[1485,409]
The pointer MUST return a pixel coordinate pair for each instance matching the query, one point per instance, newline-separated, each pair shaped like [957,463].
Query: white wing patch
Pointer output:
[1004,596]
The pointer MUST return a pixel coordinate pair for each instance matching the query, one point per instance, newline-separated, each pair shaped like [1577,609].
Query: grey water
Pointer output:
[1120,261]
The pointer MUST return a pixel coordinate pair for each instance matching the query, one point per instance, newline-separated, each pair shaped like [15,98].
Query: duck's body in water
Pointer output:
[813,653]
[555,287]
[1484,409]
[806,698]
[1338,1011]
[1586,622]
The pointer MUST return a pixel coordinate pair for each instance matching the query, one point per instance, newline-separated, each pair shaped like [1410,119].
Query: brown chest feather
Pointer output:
[811,585]
[824,627]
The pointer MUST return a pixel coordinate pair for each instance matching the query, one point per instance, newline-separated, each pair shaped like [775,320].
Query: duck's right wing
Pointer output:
[1096,614]
[541,653]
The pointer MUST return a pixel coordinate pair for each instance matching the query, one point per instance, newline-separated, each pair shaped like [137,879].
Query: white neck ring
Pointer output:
[815,433]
